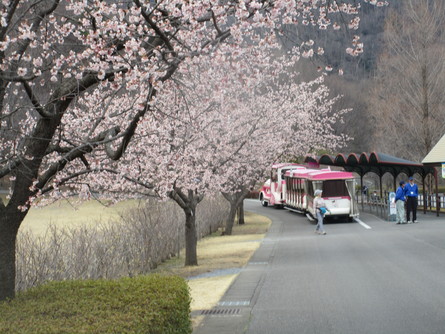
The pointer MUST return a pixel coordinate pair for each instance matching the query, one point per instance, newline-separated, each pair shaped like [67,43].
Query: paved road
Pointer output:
[387,279]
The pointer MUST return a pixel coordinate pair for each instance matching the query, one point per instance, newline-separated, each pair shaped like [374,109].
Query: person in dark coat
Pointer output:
[411,193]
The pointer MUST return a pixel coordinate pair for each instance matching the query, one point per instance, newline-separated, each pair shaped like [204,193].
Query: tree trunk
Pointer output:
[188,202]
[8,235]
[231,219]
[241,214]
[191,239]
[235,200]
[426,113]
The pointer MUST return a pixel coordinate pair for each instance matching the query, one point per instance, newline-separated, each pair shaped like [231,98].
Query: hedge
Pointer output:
[151,304]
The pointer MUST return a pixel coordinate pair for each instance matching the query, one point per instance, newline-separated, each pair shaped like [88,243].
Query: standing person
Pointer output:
[320,209]
[400,203]
[365,191]
[374,197]
[411,193]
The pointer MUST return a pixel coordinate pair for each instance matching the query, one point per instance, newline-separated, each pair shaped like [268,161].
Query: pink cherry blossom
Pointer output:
[160,98]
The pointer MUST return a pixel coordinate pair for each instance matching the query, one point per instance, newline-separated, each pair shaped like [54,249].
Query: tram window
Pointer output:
[274,176]
[334,188]
[310,188]
[283,171]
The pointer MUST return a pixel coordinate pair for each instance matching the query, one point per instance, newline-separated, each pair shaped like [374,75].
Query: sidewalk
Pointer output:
[232,314]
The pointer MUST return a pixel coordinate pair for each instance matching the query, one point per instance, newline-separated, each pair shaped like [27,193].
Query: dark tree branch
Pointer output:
[216,24]
[129,132]
[11,165]
[85,161]
[17,78]
[23,45]
[156,29]
[34,101]
[11,12]
[76,153]
[179,197]
[96,170]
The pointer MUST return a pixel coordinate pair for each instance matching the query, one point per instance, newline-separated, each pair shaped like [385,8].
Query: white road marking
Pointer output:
[235,303]
[362,223]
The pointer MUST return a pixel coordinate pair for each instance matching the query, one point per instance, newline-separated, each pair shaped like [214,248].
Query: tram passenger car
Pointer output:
[272,191]
[337,192]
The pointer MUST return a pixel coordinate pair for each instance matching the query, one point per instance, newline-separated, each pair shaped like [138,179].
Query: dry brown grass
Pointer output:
[222,252]
[206,292]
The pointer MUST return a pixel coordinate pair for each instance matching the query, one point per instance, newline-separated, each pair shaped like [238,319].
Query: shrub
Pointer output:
[151,304]
[143,238]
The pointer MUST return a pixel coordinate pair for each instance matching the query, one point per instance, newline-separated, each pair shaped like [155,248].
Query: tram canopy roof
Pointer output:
[378,163]
[437,155]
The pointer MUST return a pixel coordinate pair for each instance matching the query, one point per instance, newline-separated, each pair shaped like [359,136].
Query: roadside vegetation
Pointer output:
[144,304]
[126,244]
[63,248]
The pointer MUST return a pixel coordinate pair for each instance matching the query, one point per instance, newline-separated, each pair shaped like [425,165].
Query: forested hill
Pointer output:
[358,72]
[335,42]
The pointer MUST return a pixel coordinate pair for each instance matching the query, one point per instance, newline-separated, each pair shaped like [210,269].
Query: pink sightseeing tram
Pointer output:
[298,184]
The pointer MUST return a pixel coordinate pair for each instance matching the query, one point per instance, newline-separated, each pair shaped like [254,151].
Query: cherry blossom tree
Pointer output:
[78,77]
[216,127]
[297,119]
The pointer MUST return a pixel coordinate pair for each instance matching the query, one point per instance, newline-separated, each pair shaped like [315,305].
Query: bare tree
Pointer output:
[407,103]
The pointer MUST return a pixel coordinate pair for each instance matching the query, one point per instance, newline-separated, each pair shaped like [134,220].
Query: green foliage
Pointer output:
[153,304]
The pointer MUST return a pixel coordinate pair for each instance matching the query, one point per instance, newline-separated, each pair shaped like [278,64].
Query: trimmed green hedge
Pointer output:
[151,304]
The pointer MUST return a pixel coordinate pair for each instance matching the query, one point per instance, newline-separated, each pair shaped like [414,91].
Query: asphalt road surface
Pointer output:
[376,277]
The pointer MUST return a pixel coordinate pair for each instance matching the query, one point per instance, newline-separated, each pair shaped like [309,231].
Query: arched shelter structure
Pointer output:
[378,163]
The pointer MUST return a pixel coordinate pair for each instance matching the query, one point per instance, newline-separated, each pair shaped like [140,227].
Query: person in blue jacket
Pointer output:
[400,204]
[411,193]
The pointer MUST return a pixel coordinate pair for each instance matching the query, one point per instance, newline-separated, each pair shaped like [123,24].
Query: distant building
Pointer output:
[437,155]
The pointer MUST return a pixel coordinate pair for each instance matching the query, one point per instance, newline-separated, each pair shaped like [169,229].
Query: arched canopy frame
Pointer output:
[378,163]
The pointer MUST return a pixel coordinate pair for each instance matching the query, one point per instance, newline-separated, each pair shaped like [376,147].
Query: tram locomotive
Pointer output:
[272,191]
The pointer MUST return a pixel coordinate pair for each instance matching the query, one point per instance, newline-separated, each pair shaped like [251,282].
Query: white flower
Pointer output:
[22,71]
[101,74]
[37,62]
[308,53]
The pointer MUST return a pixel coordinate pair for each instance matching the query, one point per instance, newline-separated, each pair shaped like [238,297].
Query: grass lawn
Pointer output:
[72,213]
